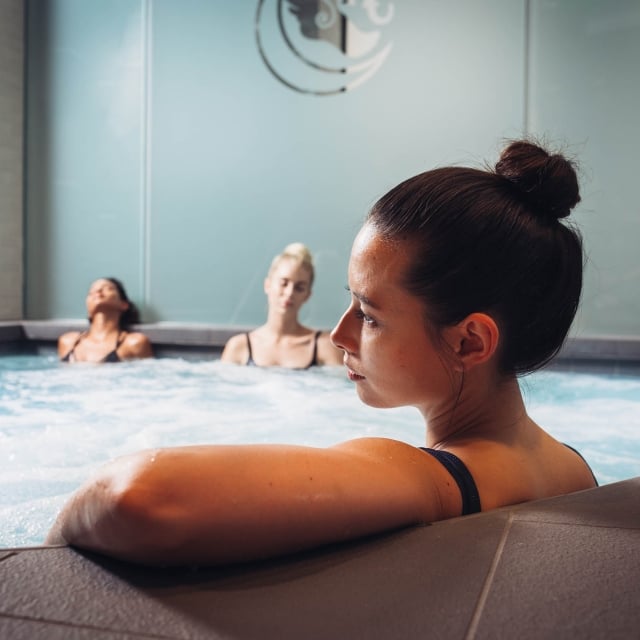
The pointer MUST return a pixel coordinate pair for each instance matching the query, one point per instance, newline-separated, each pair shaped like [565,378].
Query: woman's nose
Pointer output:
[339,334]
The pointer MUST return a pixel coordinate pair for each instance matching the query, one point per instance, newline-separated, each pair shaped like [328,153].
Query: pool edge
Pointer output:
[601,354]
[560,567]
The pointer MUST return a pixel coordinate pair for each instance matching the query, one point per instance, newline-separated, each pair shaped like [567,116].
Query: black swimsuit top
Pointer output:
[465,481]
[112,356]
[463,478]
[314,359]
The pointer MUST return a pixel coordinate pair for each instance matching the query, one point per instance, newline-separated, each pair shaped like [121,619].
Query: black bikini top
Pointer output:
[112,356]
[465,481]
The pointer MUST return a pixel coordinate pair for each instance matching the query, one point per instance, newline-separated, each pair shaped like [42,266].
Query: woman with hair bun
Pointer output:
[460,280]
[109,338]
[282,341]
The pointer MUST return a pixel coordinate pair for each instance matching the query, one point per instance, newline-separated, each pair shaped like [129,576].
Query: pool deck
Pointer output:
[563,568]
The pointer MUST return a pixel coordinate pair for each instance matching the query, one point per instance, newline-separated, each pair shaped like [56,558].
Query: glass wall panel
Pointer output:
[585,92]
[181,145]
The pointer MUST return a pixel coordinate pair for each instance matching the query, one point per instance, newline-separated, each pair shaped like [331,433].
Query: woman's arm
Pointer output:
[220,504]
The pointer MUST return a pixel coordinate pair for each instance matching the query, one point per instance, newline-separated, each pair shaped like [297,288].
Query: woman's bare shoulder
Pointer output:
[236,350]
[574,471]
[407,465]
[67,340]
[510,474]
[136,345]
[69,336]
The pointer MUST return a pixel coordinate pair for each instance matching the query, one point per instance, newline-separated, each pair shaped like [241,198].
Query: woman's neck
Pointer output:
[283,324]
[104,324]
[481,410]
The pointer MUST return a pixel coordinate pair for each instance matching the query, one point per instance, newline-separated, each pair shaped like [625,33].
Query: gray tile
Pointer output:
[20,629]
[560,568]
[561,581]
[61,586]
[401,586]
[373,589]
[612,505]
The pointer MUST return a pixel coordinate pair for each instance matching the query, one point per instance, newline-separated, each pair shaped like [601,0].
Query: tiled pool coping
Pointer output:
[607,354]
[563,568]
[168,339]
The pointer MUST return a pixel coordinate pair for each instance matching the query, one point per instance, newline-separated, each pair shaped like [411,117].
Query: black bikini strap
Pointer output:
[583,460]
[67,357]
[314,360]
[464,479]
[250,358]
[77,342]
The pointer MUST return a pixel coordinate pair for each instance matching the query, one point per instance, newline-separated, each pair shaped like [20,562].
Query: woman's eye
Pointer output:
[364,317]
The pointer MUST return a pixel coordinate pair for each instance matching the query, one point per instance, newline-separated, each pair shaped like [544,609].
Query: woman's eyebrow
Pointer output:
[362,298]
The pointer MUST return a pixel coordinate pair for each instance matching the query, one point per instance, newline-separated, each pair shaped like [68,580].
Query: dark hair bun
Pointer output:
[548,183]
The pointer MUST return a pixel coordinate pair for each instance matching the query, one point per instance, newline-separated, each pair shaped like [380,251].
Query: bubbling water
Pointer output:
[58,422]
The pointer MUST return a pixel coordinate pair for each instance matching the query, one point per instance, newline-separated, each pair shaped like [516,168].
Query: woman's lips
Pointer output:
[353,376]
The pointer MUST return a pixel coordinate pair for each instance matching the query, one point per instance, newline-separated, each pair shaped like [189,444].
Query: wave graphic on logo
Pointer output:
[323,47]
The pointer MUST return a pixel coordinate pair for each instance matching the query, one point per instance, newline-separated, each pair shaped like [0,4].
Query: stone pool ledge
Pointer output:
[600,354]
[563,568]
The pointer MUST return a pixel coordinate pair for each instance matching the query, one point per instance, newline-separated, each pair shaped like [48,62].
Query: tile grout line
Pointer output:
[484,593]
[82,626]
[5,554]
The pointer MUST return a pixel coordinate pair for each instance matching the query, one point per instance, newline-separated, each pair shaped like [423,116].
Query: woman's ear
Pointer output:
[474,340]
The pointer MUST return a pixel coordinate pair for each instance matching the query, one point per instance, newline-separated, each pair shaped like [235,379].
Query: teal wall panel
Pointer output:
[162,149]
[585,91]
[241,164]
[83,151]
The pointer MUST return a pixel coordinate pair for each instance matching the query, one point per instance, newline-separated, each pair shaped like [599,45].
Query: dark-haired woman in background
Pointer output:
[108,338]
[460,281]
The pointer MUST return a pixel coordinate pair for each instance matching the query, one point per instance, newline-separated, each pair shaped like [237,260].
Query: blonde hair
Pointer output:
[298,252]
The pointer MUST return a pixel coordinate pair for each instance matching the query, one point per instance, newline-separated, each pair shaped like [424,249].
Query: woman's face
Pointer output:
[389,353]
[288,286]
[103,295]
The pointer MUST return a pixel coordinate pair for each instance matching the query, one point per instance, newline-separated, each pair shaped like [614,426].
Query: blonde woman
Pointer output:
[283,341]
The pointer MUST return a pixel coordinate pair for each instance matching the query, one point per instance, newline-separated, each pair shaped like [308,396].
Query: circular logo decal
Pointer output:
[323,47]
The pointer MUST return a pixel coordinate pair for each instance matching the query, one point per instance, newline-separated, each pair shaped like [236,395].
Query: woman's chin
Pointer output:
[371,399]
